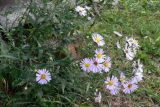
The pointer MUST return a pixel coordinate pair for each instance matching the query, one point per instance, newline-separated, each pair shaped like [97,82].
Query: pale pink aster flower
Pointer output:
[112,83]
[107,64]
[99,54]
[43,76]
[82,11]
[96,66]
[98,39]
[79,8]
[86,64]
[129,87]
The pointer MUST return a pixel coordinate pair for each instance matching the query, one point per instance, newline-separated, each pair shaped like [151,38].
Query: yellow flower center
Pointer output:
[110,83]
[98,39]
[99,55]
[87,65]
[129,86]
[43,76]
[106,64]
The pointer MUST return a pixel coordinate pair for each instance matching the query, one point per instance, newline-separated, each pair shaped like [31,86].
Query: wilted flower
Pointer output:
[129,87]
[98,97]
[137,67]
[131,48]
[137,78]
[86,64]
[132,42]
[96,66]
[99,54]
[107,64]
[43,76]
[138,71]
[98,39]
[129,53]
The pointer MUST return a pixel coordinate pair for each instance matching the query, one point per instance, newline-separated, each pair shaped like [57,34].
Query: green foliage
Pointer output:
[40,41]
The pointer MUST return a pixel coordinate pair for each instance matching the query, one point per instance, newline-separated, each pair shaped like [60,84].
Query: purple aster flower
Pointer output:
[86,64]
[129,87]
[96,66]
[112,83]
[107,64]
[99,54]
[43,76]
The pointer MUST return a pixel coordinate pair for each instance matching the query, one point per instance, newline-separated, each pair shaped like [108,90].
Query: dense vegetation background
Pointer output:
[51,35]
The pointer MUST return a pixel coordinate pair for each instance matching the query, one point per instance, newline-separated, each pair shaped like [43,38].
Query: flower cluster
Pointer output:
[130,85]
[126,85]
[82,10]
[100,62]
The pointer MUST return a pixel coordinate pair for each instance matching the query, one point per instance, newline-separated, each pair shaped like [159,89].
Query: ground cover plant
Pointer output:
[85,53]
